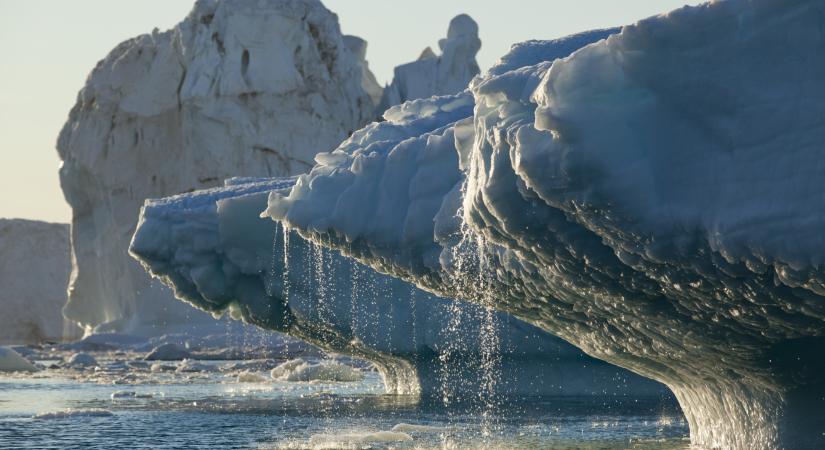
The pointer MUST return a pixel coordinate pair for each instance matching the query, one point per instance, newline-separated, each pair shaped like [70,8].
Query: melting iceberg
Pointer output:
[655,199]
[218,254]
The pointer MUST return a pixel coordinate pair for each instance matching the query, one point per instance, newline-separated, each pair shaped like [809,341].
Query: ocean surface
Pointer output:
[125,403]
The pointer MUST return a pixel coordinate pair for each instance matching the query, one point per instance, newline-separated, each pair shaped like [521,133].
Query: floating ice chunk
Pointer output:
[71,413]
[188,365]
[252,377]
[346,440]
[303,370]
[168,352]
[121,395]
[415,428]
[11,361]
[81,360]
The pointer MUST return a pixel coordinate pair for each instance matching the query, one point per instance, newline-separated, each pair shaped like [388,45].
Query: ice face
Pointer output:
[34,271]
[238,88]
[655,198]
[444,74]
[217,253]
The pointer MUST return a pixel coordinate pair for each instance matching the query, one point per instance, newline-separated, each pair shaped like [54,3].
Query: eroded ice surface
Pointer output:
[655,199]
[218,254]
[239,87]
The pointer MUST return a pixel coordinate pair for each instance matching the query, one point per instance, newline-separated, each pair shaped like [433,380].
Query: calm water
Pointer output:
[134,407]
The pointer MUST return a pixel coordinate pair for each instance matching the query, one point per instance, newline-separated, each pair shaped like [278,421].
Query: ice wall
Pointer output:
[358,48]
[218,254]
[654,199]
[34,272]
[431,74]
[239,87]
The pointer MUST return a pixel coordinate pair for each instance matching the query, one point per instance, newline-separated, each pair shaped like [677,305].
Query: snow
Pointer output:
[34,272]
[239,87]
[324,371]
[431,74]
[11,361]
[654,198]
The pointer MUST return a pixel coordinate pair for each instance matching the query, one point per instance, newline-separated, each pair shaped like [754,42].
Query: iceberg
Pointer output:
[11,361]
[34,272]
[431,74]
[654,199]
[217,253]
[239,87]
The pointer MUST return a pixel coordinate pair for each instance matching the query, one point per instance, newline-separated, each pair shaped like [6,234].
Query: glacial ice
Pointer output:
[324,371]
[655,199]
[11,361]
[431,74]
[239,87]
[34,272]
[217,253]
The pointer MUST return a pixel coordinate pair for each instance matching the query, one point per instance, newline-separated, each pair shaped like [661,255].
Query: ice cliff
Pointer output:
[431,74]
[217,252]
[34,272]
[239,87]
[655,199]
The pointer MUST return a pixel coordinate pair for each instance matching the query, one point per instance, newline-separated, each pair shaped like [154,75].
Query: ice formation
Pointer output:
[431,74]
[358,48]
[217,252]
[34,272]
[240,87]
[655,199]
[11,361]
[329,371]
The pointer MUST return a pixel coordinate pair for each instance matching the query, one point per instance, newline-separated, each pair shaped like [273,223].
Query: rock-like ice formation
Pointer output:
[239,87]
[358,48]
[34,271]
[217,252]
[11,361]
[655,199]
[431,74]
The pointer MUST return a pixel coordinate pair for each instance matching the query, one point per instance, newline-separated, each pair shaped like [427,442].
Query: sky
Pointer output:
[48,47]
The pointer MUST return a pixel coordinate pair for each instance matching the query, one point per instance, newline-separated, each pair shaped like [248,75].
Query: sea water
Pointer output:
[125,403]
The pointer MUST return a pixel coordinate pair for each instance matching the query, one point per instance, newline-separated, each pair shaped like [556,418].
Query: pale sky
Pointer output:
[48,47]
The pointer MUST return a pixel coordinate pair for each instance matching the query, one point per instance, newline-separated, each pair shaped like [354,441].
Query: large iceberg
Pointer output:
[217,252]
[239,87]
[34,272]
[655,199]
